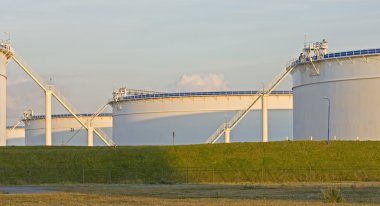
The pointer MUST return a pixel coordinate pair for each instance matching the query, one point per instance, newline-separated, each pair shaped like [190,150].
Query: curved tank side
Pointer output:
[65,131]
[351,85]
[16,136]
[5,55]
[194,118]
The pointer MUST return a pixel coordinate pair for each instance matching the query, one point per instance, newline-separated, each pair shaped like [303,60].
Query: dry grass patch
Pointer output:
[78,199]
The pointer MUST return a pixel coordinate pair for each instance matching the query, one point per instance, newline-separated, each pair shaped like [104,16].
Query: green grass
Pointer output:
[332,195]
[290,161]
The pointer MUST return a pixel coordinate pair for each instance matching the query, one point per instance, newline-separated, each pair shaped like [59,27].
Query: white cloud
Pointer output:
[22,94]
[200,82]
[18,80]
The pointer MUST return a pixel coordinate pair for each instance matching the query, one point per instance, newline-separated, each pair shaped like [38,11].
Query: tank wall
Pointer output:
[3,95]
[178,106]
[62,133]
[352,86]
[337,70]
[194,119]
[16,137]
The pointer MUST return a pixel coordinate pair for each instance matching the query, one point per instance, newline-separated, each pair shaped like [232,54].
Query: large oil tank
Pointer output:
[191,117]
[6,53]
[336,95]
[66,130]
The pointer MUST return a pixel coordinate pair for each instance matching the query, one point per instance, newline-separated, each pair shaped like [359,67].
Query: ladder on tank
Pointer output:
[241,114]
[61,99]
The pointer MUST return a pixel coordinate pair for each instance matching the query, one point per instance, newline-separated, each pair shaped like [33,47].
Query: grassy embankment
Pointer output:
[294,161]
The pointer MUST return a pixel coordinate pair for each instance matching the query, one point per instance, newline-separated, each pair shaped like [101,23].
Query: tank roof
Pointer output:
[18,127]
[336,55]
[70,116]
[5,48]
[199,94]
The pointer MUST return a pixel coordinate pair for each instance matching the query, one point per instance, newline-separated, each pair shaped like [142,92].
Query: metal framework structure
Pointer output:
[123,92]
[311,54]
[227,127]
[196,94]
[52,91]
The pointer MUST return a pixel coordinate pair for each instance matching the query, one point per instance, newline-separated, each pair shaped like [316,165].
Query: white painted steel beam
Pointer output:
[62,101]
[90,136]
[227,135]
[241,114]
[264,108]
[48,141]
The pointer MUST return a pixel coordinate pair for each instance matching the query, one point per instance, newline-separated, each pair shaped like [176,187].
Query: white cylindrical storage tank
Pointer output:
[346,83]
[16,136]
[66,130]
[6,53]
[190,118]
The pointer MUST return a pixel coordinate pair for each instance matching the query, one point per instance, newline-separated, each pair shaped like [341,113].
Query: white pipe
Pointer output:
[227,132]
[90,136]
[264,108]
[48,117]
[3,101]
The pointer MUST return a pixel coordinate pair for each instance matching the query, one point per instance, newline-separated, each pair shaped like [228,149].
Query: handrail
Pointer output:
[198,94]
[63,99]
[15,125]
[60,98]
[102,135]
[241,114]
[343,54]
[70,115]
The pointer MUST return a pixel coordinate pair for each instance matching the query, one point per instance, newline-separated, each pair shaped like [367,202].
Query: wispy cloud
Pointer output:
[18,80]
[200,82]
[22,94]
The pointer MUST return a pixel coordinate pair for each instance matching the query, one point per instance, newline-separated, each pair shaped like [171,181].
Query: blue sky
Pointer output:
[91,47]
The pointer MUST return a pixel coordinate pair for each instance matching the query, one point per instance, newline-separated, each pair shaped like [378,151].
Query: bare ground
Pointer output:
[183,194]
